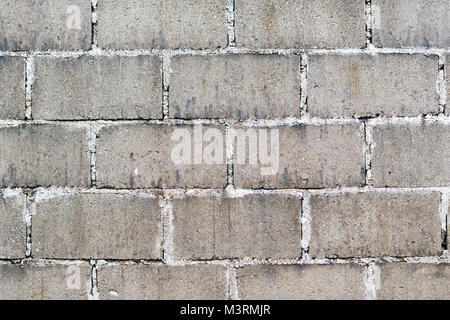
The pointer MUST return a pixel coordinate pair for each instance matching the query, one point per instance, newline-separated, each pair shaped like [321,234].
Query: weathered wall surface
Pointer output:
[92,205]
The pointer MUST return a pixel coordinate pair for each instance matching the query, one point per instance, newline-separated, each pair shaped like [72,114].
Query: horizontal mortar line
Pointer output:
[227,50]
[99,262]
[291,121]
[54,191]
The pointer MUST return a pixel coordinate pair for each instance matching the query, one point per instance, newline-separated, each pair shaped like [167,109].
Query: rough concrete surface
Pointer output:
[310,156]
[235,86]
[375,224]
[97,88]
[300,24]
[251,226]
[411,155]
[224,149]
[12,226]
[45,282]
[162,24]
[412,23]
[348,86]
[144,159]
[313,282]
[401,281]
[12,88]
[49,154]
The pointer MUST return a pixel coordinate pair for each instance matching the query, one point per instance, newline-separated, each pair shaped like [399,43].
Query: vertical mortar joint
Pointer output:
[230,16]
[303,85]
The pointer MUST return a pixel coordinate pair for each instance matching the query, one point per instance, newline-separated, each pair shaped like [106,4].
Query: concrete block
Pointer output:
[411,155]
[44,155]
[162,24]
[412,23]
[256,226]
[140,156]
[89,87]
[235,86]
[375,224]
[301,282]
[160,282]
[310,156]
[45,282]
[12,225]
[414,281]
[12,87]
[372,85]
[45,25]
[300,24]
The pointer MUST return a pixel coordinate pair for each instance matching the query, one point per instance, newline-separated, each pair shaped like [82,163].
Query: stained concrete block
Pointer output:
[12,87]
[411,155]
[310,156]
[162,24]
[140,156]
[12,225]
[372,85]
[301,282]
[447,70]
[300,24]
[45,282]
[218,227]
[375,224]
[160,282]
[44,155]
[412,23]
[97,225]
[89,87]
[45,25]
[235,86]
[413,281]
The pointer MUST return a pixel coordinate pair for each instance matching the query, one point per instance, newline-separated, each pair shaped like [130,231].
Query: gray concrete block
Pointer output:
[12,225]
[140,156]
[411,155]
[372,85]
[162,24]
[301,282]
[235,86]
[375,224]
[217,227]
[45,282]
[448,222]
[161,282]
[412,23]
[97,225]
[12,87]
[413,281]
[44,155]
[89,87]
[45,25]
[300,24]
[310,156]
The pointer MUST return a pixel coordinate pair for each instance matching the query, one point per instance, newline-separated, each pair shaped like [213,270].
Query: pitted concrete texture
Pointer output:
[224,149]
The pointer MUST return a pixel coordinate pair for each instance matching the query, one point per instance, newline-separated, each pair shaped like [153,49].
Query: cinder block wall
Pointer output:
[92,206]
